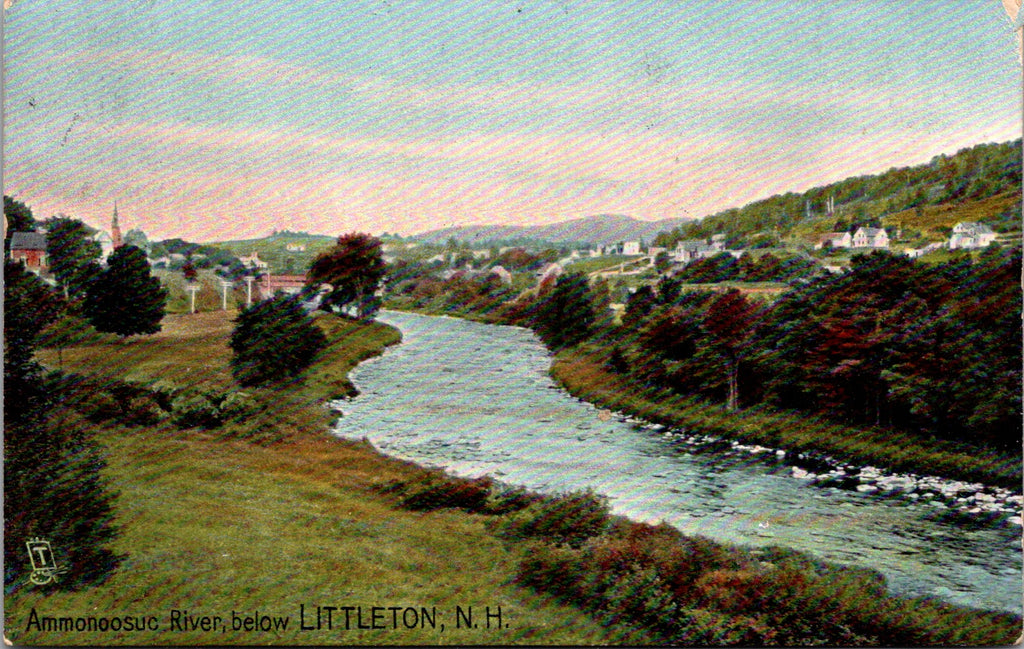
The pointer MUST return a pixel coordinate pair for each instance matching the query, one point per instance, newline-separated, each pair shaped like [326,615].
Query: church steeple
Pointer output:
[115,230]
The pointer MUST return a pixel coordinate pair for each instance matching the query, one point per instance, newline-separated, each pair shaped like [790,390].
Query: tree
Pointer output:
[19,219]
[136,237]
[52,483]
[125,298]
[73,254]
[189,271]
[354,268]
[272,340]
[567,314]
[729,322]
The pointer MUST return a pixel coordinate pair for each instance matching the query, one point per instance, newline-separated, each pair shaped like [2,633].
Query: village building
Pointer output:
[870,238]
[631,248]
[968,234]
[254,261]
[30,249]
[690,249]
[833,240]
[295,247]
[106,244]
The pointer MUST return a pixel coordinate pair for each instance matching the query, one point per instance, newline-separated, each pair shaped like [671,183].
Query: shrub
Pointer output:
[193,409]
[272,340]
[142,410]
[568,519]
[435,490]
[237,406]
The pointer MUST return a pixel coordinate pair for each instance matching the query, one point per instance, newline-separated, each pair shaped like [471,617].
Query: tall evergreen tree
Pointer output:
[567,314]
[125,298]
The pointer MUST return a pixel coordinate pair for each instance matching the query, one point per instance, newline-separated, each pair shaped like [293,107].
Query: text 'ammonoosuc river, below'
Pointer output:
[477,399]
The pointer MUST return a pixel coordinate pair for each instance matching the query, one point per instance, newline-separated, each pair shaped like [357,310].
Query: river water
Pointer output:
[477,399]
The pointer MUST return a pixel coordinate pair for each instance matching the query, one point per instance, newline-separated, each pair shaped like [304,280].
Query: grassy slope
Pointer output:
[212,523]
[583,374]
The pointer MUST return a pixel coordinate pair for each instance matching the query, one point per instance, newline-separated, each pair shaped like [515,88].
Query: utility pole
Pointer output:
[248,290]
[224,294]
[192,287]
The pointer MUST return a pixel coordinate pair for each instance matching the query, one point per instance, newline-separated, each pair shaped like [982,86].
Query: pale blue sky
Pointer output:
[211,120]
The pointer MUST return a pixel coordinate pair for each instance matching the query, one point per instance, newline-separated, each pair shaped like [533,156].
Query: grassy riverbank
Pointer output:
[271,513]
[584,373]
[270,516]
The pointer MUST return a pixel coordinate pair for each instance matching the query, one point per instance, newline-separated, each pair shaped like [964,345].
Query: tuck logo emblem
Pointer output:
[44,566]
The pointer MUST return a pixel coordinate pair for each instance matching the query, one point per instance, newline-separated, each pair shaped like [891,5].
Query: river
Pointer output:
[477,399]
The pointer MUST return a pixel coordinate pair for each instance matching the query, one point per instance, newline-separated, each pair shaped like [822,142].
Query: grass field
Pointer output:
[229,522]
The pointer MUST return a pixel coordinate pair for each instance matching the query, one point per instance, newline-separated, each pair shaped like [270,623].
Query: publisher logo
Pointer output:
[44,567]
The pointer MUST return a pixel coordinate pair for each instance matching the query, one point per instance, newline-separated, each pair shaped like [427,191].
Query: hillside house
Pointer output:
[687,251]
[294,247]
[254,261]
[631,247]
[30,249]
[971,235]
[718,242]
[870,238]
[834,240]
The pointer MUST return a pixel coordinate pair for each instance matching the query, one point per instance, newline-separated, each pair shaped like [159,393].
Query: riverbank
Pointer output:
[584,373]
[302,519]
[275,516]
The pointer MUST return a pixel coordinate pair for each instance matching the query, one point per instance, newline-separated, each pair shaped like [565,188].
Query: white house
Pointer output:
[870,238]
[687,251]
[971,235]
[106,243]
[631,248]
[254,261]
[294,247]
[834,239]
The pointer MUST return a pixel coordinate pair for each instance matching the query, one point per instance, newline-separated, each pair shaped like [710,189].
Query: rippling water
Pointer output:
[477,399]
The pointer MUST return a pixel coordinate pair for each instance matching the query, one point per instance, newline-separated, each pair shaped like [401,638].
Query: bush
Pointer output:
[142,410]
[237,406]
[436,490]
[193,409]
[272,340]
[568,519]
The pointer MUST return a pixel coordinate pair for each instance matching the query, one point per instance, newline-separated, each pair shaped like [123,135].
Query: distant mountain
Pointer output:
[596,230]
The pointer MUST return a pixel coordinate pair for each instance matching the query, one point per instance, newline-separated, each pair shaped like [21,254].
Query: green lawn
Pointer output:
[213,522]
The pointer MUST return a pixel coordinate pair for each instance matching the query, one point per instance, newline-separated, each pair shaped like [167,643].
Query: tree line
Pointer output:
[928,349]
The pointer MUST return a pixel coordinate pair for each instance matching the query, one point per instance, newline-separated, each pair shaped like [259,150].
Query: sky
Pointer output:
[214,120]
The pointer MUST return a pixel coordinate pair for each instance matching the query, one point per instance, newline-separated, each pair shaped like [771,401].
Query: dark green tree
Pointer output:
[272,340]
[19,219]
[354,268]
[73,254]
[566,316]
[52,483]
[125,298]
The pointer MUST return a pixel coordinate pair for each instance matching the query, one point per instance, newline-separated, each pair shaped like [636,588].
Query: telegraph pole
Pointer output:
[224,294]
[192,288]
